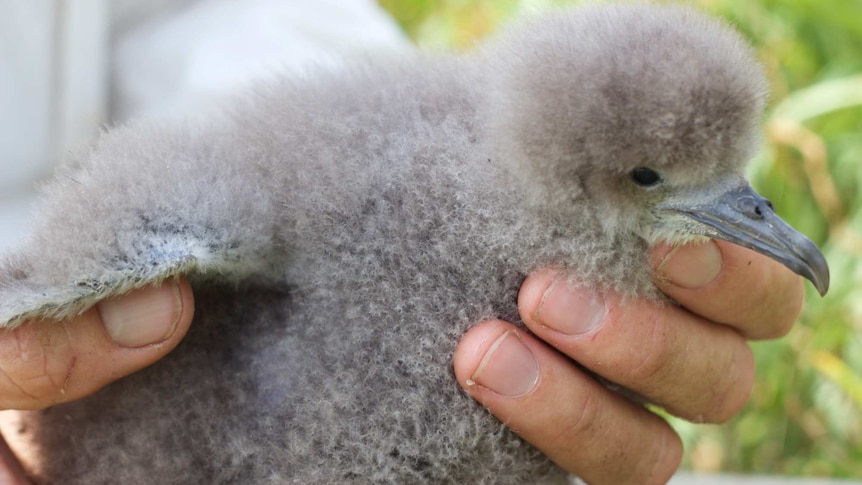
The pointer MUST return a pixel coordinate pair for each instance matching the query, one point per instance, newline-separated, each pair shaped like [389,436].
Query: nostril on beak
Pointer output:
[762,207]
[755,206]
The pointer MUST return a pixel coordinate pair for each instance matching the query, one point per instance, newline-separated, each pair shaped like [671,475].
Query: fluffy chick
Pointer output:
[343,233]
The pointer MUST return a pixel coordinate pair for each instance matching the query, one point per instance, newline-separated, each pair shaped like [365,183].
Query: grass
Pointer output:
[805,415]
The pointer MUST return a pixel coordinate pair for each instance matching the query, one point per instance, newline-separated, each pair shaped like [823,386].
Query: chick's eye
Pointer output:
[645,177]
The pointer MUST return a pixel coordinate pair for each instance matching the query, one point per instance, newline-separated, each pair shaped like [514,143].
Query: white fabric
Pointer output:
[53,58]
[167,56]
[218,46]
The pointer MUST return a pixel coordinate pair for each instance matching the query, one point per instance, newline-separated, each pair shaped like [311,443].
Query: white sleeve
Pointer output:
[61,63]
[53,89]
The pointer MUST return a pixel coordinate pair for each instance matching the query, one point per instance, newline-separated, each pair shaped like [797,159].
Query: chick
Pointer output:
[343,232]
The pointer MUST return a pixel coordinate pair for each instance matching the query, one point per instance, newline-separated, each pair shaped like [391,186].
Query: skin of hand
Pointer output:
[694,361]
[691,359]
[43,363]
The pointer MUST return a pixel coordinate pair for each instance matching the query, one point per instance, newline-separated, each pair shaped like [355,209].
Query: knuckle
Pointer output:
[701,384]
[35,363]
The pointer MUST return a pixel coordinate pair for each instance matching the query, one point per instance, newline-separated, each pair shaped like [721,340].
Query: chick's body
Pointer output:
[371,217]
[400,231]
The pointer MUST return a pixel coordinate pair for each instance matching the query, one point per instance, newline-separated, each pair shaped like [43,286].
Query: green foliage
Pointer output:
[805,415]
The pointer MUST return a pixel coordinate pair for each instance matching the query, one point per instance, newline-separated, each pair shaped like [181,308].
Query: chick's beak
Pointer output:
[740,215]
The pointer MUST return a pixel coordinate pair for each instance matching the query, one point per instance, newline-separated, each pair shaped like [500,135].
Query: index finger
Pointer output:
[756,295]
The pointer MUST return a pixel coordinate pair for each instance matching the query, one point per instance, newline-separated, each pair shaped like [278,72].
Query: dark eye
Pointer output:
[645,177]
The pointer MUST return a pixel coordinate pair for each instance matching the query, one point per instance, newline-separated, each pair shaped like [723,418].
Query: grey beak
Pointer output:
[740,215]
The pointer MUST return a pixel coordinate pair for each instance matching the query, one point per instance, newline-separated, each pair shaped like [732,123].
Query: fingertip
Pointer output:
[692,266]
[532,292]
[149,315]
[583,427]
[150,323]
[669,455]
[48,362]
[187,308]
[472,349]
[171,316]
[766,296]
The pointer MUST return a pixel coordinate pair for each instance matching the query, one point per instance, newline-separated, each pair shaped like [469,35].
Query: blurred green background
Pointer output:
[805,415]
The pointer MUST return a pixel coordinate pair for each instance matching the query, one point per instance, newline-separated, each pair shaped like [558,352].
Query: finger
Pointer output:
[732,285]
[695,369]
[43,363]
[584,428]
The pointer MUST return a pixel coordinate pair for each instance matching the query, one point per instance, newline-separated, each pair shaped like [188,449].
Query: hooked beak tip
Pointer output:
[743,217]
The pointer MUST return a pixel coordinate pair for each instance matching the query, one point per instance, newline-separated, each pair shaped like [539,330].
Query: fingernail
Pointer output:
[508,367]
[571,311]
[691,265]
[144,317]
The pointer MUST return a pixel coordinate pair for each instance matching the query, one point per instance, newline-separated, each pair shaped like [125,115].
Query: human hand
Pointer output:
[43,363]
[693,361]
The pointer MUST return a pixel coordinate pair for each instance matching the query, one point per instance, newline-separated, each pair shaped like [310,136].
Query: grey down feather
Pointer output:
[343,232]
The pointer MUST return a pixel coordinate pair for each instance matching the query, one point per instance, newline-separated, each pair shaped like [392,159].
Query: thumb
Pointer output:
[47,362]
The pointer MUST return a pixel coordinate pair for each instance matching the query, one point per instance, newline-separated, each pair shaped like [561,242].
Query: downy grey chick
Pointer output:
[342,233]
